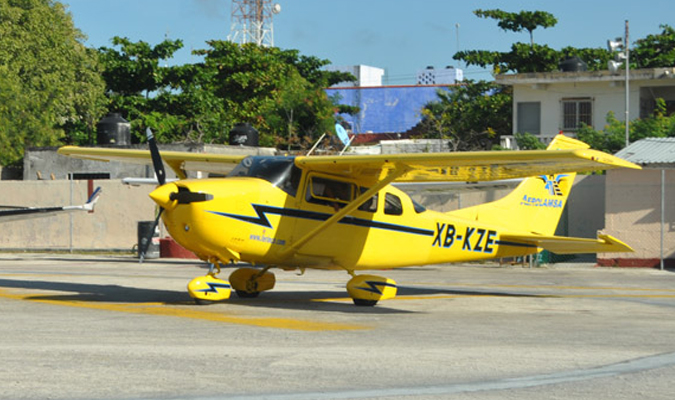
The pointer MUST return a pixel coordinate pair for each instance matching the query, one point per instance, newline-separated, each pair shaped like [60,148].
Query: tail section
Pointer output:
[536,203]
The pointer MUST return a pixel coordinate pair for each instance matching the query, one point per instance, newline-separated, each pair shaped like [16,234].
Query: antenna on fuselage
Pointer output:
[344,137]
[316,144]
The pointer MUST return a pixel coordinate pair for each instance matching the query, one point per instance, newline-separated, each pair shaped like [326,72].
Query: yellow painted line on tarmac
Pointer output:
[167,310]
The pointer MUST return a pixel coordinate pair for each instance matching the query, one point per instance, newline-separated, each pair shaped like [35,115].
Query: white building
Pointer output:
[366,76]
[545,104]
[445,76]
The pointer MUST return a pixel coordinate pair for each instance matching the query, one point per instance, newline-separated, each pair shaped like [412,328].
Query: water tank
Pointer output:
[113,130]
[243,134]
[573,64]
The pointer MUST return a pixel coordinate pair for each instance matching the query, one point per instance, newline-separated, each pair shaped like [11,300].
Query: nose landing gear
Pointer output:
[246,282]
[208,289]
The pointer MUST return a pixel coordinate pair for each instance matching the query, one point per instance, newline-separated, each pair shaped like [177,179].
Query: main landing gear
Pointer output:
[367,290]
[246,282]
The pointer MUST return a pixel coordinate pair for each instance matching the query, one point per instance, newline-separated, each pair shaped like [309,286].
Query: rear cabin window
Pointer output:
[392,205]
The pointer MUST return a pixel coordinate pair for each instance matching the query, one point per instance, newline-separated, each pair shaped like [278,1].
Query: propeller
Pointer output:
[182,196]
[161,178]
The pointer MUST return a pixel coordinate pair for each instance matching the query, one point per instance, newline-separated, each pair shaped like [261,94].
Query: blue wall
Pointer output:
[385,109]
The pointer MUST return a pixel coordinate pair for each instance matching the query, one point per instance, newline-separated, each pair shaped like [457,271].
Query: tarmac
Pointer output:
[107,327]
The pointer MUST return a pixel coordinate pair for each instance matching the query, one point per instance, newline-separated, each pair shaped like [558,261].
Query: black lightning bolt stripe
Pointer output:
[262,211]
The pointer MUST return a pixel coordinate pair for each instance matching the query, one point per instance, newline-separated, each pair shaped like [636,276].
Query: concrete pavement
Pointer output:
[105,327]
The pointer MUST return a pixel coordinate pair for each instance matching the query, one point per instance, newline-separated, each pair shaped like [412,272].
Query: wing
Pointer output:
[17,214]
[179,161]
[464,166]
[570,245]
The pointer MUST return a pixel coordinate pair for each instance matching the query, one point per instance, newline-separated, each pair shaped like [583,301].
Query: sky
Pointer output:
[399,36]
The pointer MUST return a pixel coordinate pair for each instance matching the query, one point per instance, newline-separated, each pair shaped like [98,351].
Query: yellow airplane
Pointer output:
[340,212]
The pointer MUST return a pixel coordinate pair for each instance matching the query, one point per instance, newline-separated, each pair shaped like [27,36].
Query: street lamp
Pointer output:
[613,65]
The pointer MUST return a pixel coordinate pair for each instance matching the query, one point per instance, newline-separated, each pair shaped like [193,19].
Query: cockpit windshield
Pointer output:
[279,171]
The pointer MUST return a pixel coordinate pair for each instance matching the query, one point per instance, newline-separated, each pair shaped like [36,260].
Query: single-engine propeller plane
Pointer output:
[341,212]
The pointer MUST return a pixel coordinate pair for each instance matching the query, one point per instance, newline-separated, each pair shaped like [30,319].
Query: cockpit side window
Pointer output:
[392,205]
[329,192]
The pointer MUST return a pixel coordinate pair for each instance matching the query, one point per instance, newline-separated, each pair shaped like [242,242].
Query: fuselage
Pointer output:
[257,217]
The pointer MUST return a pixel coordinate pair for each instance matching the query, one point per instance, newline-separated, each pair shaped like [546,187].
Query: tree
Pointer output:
[277,91]
[655,51]
[471,116]
[139,87]
[613,137]
[50,81]
[528,57]
[517,22]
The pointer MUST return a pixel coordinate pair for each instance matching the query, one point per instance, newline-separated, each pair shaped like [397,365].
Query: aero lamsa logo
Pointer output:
[552,185]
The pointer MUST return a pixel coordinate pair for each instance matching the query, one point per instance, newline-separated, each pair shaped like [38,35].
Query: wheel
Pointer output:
[364,303]
[247,295]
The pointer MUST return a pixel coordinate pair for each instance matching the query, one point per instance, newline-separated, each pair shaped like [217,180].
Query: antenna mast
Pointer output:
[252,22]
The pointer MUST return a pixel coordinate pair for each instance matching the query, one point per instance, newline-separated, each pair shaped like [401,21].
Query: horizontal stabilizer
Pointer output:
[570,245]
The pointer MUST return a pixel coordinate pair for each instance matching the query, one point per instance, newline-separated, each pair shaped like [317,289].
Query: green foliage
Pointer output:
[470,116]
[517,22]
[141,89]
[278,91]
[527,141]
[524,58]
[50,81]
[613,136]
[655,51]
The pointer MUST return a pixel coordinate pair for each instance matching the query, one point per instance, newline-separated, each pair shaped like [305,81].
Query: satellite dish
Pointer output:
[342,134]
[276,8]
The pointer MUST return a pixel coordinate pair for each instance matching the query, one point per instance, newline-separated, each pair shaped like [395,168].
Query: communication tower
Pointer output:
[252,22]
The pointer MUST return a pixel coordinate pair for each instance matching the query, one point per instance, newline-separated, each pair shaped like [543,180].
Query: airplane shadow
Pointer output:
[98,293]
[325,301]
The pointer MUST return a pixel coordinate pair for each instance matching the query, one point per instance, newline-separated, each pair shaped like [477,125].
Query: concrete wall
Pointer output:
[634,216]
[112,226]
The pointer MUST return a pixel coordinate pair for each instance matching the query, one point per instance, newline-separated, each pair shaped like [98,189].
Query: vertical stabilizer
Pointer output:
[535,205]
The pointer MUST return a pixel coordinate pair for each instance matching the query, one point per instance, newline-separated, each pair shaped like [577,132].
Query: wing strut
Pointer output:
[353,205]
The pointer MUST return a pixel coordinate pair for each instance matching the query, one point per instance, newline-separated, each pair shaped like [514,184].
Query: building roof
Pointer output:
[645,74]
[651,152]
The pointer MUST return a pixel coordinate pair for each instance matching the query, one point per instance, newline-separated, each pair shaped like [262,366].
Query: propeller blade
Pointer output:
[145,244]
[156,158]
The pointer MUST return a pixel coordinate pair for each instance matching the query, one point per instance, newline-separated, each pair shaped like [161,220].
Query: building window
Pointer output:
[575,112]
[529,117]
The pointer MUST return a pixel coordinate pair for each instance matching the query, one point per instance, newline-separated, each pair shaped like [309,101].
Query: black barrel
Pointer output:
[148,237]
[573,64]
[243,134]
[113,130]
